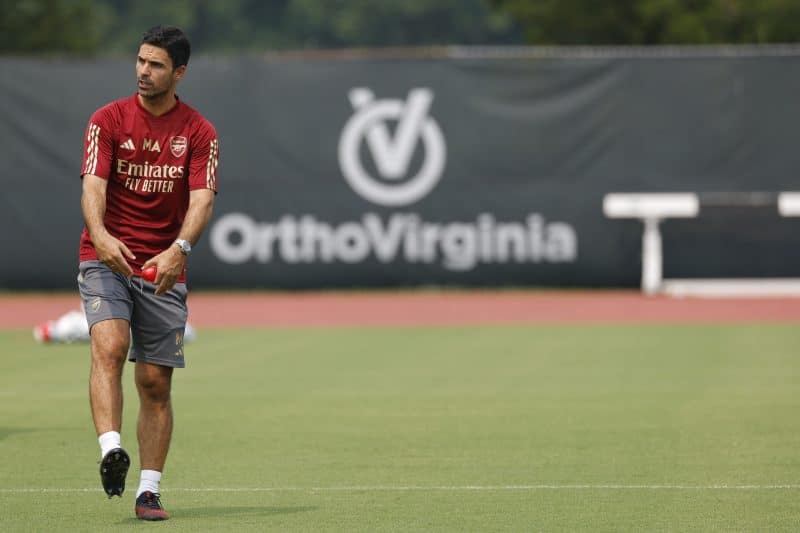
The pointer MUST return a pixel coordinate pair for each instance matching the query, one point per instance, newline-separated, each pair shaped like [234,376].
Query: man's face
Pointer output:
[155,76]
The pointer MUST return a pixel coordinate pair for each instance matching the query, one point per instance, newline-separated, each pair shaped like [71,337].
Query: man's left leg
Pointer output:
[154,430]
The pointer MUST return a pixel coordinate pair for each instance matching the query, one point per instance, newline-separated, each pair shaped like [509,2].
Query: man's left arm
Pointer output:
[169,263]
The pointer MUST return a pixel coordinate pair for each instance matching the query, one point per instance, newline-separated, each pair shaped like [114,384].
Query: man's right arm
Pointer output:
[110,250]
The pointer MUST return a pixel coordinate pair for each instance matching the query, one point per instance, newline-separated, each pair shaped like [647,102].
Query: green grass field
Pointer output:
[524,428]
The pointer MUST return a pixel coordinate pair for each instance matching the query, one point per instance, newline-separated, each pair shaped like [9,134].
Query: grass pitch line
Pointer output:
[420,488]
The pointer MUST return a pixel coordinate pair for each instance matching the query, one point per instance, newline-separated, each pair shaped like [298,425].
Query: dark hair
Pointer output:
[171,39]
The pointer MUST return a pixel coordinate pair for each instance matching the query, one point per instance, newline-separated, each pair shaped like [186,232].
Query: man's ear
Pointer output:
[179,72]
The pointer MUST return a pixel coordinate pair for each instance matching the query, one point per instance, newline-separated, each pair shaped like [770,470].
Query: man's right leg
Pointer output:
[110,342]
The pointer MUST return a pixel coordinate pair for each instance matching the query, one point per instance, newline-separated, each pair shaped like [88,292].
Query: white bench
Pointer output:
[789,204]
[652,208]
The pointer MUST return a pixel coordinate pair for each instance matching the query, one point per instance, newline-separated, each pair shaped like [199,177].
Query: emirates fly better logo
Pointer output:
[392,154]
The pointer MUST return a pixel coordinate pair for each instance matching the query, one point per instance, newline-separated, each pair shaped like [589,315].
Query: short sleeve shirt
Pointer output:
[151,164]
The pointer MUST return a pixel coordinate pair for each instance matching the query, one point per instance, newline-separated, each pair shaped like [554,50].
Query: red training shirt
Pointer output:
[151,163]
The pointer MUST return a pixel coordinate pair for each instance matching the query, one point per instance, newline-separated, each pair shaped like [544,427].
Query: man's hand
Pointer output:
[110,250]
[114,254]
[169,265]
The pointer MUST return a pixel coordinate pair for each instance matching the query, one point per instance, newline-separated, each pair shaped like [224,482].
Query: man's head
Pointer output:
[171,39]
[161,62]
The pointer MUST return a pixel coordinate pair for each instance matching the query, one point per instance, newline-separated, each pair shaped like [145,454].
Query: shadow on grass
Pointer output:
[211,512]
[6,432]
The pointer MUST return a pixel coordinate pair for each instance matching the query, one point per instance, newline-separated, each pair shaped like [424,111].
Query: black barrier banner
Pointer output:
[468,171]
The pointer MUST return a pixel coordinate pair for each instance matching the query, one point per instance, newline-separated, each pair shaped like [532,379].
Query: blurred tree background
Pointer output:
[643,22]
[102,27]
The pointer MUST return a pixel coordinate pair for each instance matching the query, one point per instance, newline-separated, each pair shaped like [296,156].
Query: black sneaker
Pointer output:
[148,507]
[113,469]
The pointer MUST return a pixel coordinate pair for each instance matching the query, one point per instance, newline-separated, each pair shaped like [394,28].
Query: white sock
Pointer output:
[149,481]
[108,441]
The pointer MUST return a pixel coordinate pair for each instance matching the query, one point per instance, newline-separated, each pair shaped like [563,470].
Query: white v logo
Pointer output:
[371,125]
[392,157]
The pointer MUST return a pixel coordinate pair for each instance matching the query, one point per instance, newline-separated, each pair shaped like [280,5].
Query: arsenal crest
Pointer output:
[177,145]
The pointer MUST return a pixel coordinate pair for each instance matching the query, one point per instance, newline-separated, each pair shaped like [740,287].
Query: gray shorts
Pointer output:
[157,322]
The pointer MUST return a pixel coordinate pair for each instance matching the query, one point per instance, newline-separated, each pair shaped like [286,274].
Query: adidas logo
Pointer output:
[128,145]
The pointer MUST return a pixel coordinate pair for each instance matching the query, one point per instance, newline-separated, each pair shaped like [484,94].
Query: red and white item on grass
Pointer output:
[70,327]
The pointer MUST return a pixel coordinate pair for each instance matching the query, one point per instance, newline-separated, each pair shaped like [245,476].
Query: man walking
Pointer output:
[149,181]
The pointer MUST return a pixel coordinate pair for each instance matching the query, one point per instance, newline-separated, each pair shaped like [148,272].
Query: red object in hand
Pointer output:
[149,274]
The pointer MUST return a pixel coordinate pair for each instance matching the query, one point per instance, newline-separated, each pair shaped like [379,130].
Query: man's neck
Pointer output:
[158,106]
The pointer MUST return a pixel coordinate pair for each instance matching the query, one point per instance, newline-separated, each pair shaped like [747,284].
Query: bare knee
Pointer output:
[153,383]
[153,391]
[110,342]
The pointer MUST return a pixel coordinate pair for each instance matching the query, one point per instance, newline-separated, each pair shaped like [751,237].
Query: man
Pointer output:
[149,181]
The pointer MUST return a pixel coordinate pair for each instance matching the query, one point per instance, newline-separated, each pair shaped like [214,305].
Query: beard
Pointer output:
[152,93]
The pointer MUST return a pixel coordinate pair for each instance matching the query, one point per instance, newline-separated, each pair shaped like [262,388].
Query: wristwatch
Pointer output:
[184,245]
